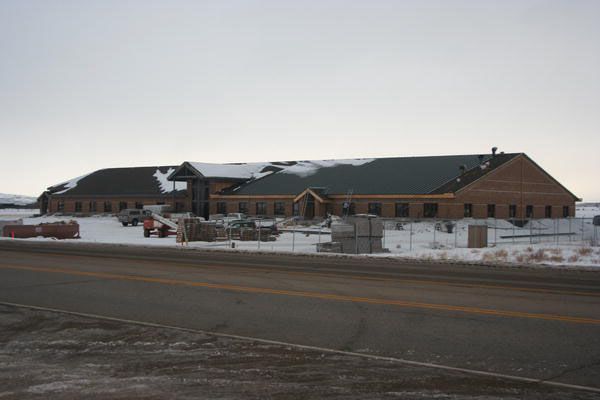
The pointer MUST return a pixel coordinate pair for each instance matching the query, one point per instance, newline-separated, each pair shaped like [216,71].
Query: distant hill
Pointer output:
[15,200]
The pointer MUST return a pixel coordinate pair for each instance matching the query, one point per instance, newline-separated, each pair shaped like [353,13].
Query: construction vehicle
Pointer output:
[163,225]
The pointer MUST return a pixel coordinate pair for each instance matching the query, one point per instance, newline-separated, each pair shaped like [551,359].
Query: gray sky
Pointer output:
[86,85]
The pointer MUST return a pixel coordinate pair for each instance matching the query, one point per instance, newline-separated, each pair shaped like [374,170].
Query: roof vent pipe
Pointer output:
[494,150]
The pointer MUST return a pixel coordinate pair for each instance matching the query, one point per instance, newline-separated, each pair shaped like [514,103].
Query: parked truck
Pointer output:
[133,216]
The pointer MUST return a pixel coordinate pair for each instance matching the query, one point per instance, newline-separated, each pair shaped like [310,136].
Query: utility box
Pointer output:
[478,236]
[360,234]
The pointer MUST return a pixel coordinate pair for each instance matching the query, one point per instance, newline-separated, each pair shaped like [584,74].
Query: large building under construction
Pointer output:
[495,185]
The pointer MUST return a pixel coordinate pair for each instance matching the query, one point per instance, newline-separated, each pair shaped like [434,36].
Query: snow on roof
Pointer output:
[239,171]
[68,185]
[166,186]
[261,169]
[307,168]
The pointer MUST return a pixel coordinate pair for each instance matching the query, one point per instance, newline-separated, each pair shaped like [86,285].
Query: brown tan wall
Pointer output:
[521,183]
[69,203]
[233,205]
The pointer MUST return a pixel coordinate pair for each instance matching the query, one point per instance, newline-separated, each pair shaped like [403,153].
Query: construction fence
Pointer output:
[455,233]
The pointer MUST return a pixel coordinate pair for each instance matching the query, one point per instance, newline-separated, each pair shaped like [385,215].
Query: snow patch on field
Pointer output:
[16,199]
[9,214]
[587,211]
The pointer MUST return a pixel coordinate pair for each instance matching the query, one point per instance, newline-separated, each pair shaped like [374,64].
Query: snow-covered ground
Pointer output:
[587,211]
[16,199]
[574,246]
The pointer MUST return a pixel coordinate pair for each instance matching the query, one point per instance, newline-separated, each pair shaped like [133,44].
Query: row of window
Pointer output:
[430,210]
[402,210]
[260,208]
[512,211]
[106,206]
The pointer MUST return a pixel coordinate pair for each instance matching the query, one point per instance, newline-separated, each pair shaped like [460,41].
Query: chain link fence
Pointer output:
[433,233]
[402,235]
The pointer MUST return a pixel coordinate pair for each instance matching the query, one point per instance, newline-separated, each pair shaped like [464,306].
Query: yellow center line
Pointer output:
[248,269]
[314,295]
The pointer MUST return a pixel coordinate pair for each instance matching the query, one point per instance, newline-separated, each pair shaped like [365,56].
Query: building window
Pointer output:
[60,206]
[512,211]
[375,209]
[402,210]
[222,207]
[279,208]
[529,211]
[491,211]
[139,205]
[468,210]
[122,205]
[243,207]
[261,208]
[548,212]
[352,208]
[179,206]
[107,206]
[566,213]
[78,206]
[430,210]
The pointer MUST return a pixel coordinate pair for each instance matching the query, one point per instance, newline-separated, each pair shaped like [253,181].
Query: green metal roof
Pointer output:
[133,181]
[397,175]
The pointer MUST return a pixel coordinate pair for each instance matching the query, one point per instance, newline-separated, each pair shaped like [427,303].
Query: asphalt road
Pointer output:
[541,324]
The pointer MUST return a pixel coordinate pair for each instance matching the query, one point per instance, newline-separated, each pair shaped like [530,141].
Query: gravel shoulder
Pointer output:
[59,356]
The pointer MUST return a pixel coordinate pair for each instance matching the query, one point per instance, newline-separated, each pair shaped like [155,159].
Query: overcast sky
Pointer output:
[87,85]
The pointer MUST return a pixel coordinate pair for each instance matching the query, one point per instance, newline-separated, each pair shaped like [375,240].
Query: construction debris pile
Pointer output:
[359,234]
[253,234]
[196,229]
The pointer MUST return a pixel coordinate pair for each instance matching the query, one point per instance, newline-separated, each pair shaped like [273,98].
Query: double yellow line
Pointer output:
[441,283]
[313,295]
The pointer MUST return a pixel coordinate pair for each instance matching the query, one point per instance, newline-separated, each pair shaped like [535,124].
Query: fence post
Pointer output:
[513,229]
[410,235]
[570,229]
[320,234]
[355,239]
[259,225]
[434,229]
[495,231]
[530,231]
[582,230]
[293,235]
[383,244]
[456,234]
